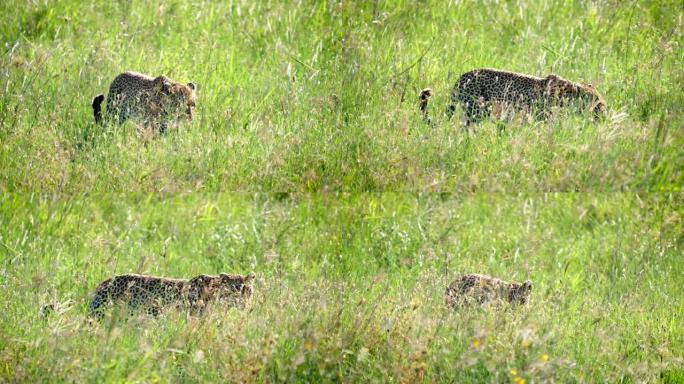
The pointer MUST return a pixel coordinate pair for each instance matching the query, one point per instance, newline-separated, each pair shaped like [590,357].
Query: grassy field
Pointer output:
[315,96]
[309,164]
[350,288]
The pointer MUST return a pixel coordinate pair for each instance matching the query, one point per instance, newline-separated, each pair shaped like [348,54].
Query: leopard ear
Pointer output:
[527,285]
[551,81]
[201,278]
[192,86]
[250,277]
[197,286]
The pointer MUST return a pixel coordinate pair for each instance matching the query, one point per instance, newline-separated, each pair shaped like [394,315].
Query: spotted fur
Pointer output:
[480,90]
[482,289]
[154,101]
[153,293]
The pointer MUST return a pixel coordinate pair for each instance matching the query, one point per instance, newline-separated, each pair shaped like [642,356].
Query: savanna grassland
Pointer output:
[350,288]
[309,164]
[315,96]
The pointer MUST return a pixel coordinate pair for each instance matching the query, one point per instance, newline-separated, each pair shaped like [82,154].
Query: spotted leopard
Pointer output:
[481,90]
[154,101]
[482,289]
[153,293]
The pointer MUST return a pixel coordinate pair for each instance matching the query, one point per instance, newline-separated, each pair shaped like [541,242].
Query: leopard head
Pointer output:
[234,287]
[594,101]
[225,288]
[520,293]
[178,99]
[562,91]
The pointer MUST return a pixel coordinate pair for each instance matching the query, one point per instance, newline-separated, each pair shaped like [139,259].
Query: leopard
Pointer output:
[154,294]
[479,91]
[480,289]
[154,101]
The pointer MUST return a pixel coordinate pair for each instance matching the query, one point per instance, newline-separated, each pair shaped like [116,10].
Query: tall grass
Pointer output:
[304,96]
[350,288]
[309,164]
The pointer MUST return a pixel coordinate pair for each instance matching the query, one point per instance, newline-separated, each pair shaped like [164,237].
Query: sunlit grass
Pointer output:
[298,96]
[349,287]
[309,164]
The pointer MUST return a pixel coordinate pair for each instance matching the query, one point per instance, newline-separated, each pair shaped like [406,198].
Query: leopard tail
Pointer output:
[424,100]
[97,108]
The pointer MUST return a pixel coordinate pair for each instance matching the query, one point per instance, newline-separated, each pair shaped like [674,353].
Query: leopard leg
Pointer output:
[123,115]
[473,113]
[450,111]
[153,310]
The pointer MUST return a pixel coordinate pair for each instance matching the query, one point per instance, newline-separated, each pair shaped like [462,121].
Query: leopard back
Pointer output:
[138,291]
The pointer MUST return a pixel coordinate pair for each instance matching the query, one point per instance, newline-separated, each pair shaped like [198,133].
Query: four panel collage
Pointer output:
[381,191]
